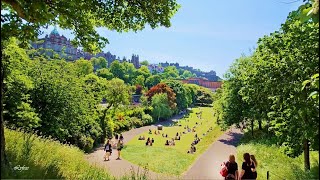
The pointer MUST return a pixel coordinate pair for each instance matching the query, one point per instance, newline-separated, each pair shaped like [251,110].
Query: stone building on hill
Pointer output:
[63,47]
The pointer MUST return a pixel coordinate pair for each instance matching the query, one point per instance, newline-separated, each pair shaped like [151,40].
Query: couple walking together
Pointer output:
[248,170]
[108,148]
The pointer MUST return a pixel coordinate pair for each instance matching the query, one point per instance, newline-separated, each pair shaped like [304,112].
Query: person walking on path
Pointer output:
[108,150]
[119,148]
[247,168]
[232,167]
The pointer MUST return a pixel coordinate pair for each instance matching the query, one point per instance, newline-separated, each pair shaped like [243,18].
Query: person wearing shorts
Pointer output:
[108,150]
[119,148]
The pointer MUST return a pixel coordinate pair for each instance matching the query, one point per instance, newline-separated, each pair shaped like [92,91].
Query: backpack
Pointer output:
[224,170]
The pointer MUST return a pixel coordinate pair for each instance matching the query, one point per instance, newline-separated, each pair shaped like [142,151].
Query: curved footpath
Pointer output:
[207,166]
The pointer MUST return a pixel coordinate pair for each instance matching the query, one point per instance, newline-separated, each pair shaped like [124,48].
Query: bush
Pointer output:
[147,119]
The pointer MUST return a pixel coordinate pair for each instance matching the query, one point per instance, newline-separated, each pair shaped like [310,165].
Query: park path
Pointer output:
[119,168]
[208,165]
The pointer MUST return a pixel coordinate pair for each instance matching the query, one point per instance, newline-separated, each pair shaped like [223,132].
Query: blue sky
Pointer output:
[206,34]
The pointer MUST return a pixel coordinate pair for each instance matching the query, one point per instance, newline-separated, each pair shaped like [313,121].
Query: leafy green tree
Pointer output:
[19,112]
[161,108]
[144,71]
[130,72]
[139,80]
[180,91]
[145,63]
[24,20]
[105,73]
[98,63]
[152,81]
[170,72]
[83,67]
[187,74]
[117,69]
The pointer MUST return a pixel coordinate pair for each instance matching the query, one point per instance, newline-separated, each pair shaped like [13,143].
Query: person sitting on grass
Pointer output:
[163,135]
[166,135]
[150,131]
[140,138]
[158,132]
[152,140]
[167,143]
[155,132]
[148,141]
[184,132]
[172,143]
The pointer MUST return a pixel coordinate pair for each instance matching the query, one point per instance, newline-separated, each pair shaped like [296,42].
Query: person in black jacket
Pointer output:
[108,150]
[248,168]
[232,167]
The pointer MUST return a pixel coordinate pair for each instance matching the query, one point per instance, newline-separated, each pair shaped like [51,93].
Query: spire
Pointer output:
[55,31]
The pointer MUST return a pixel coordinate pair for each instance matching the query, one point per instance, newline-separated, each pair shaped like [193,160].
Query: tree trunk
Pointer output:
[306,154]
[252,127]
[260,125]
[3,154]
[103,126]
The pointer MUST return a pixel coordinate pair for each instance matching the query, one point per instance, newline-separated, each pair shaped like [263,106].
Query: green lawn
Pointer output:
[271,158]
[173,160]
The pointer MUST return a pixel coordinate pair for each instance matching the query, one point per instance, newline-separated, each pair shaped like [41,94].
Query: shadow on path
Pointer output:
[233,140]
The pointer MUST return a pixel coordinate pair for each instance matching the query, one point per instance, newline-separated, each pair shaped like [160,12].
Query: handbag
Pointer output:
[224,171]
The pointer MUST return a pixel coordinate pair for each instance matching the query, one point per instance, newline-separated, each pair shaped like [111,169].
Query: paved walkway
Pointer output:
[207,166]
[123,167]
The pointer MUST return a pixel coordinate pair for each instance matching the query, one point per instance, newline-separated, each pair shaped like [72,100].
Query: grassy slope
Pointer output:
[271,158]
[173,160]
[46,159]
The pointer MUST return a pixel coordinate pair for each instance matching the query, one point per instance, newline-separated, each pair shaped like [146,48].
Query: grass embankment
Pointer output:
[173,160]
[271,158]
[46,159]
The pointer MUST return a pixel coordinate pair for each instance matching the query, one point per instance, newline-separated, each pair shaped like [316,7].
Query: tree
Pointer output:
[163,88]
[130,72]
[161,108]
[117,69]
[145,63]
[144,71]
[83,67]
[170,72]
[98,63]
[187,74]
[152,81]
[139,80]
[105,73]
[180,91]
[23,20]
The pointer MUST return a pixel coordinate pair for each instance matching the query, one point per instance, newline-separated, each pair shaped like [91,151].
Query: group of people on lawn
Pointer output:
[248,169]
[110,145]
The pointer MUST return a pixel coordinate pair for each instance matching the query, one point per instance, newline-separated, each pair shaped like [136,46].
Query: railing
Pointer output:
[278,177]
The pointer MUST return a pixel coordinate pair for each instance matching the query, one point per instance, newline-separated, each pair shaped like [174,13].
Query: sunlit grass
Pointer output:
[173,160]
[46,159]
[271,158]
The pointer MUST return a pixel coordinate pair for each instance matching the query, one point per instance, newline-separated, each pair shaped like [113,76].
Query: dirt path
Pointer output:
[123,167]
[207,166]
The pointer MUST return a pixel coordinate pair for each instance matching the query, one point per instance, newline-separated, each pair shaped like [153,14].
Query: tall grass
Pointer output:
[271,158]
[33,157]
